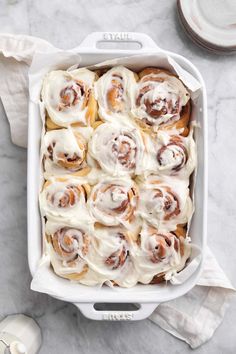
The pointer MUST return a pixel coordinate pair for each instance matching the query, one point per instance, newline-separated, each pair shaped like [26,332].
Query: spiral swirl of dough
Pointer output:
[114,201]
[119,150]
[160,98]
[114,92]
[68,97]
[165,202]
[159,254]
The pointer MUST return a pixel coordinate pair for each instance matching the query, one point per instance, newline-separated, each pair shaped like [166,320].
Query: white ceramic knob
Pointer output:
[17,348]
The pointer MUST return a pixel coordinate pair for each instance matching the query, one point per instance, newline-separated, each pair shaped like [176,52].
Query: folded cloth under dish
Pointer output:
[184,317]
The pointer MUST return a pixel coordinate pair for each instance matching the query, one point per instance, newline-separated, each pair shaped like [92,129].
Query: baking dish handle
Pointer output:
[93,40]
[144,311]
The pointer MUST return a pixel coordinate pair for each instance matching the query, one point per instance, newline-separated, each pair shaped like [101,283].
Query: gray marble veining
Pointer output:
[65,24]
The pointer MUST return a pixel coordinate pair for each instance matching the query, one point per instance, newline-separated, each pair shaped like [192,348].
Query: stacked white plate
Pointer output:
[210,23]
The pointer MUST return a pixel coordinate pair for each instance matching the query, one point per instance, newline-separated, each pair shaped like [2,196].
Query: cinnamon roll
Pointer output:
[159,255]
[161,101]
[165,202]
[110,255]
[118,149]
[113,91]
[65,198]
[64,151]
[68,98]
[68,246]
[172,155]
[114,201]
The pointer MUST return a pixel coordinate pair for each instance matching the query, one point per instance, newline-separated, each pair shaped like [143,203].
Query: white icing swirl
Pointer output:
[159,98]
[65,198]
[67,96]
[165,202]
[159,254]
[113,201]
[110,256]
[113,90]
[68,245]
[171,155]
[118,149]
[63,150]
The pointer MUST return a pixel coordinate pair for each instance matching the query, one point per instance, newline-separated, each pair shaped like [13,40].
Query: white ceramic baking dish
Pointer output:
[147,296]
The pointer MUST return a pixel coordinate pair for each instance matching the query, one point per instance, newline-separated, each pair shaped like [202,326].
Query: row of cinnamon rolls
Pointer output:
[154,99]
[113,255]
[118,230]
[118,201]
[117,155]
[117,150]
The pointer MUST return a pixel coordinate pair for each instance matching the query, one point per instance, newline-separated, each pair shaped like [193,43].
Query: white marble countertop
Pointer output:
[65,24]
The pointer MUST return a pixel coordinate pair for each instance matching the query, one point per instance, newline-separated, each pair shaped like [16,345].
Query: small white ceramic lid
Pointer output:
[211,21]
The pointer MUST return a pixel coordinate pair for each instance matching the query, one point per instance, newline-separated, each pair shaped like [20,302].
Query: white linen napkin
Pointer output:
[193,317]
[16,53]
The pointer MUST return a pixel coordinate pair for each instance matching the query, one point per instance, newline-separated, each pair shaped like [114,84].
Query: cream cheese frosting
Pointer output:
[165,202]
[114,93]
[65,198]
[113,201]
[158,253]
[63,150]
[159,98]
[68,245]
[118,149]
[66,95]
[171,155]
[110,255]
